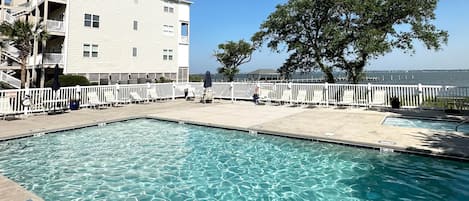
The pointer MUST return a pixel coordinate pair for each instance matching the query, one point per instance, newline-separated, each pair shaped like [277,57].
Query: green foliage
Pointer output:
[163,80]
[70,81]
[22,34]
[195,78]
[346,34]
[231,55]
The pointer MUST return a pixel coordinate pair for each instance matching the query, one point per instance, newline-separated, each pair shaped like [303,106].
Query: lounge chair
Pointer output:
[135,98]
[318,97]
[379,98]
[286,96]
[190,93]
[264,95]
[208,96]
[301,97]
[111,99]
[153,96]
[347,98]
[94,101]
[5,107]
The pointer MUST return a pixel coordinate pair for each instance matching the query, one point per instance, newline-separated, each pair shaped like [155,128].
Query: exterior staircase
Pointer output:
[26,8]
[10,80]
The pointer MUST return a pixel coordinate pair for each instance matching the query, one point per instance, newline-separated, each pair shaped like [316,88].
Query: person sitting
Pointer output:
[255,97]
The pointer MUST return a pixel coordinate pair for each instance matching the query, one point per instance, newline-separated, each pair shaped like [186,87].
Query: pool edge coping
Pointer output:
[408,150]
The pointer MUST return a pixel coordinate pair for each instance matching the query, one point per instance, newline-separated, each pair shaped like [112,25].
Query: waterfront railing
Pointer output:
[355,95]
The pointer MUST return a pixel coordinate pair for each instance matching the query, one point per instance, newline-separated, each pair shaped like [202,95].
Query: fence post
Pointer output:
[26,101]
[78,91]
[420,95]
[326,88]
[117,91]
[174,91]
[232,92]
[369,95]
[148,91]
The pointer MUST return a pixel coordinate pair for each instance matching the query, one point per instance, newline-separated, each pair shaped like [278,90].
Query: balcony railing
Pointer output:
[55,26]
[53,58]
[9,18]
[185,39]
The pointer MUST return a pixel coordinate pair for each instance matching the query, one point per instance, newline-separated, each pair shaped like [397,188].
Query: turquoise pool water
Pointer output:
[153,160]
[427,124]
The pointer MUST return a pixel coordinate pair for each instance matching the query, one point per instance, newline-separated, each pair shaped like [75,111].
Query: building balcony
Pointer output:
[49,59]
[184,40]
[55,26]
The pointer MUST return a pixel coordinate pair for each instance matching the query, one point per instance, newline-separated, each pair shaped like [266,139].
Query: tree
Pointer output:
[372,28]
[346,34]
[306,28]
[22,35]
[231,55]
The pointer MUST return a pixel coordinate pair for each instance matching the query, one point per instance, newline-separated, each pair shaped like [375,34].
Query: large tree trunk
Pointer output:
[329,76]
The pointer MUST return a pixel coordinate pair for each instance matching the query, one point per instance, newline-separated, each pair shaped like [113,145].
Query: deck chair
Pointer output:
[5,107]
[379,98]
[347,98]
[264,95]
[94,101]
[190,93]
[301,97]
[286,96]
[318,97]
[135,98]
[112,100]
[153,96]
[207,97]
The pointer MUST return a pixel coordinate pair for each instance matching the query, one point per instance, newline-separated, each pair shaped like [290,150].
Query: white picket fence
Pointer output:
[410,96]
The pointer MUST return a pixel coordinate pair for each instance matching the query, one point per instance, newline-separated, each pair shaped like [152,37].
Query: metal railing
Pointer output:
[410,96]
[55,26]
[9,18]
[53,58]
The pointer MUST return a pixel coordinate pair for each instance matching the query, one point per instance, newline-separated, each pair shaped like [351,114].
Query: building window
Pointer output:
[168,30]
[94,51]
[184,29]
[91,20]
[135,25]
[167,54]
[86,50]
[90,50]
[168,9]
[134,52]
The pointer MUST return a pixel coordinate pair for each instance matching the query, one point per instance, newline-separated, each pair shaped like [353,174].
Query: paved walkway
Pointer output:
[349,126]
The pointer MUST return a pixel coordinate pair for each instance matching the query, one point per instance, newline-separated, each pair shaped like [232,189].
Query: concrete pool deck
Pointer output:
[352,126]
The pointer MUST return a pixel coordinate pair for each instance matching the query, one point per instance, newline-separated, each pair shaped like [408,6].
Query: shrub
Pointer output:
[70,81]
[195,78]
[163,80]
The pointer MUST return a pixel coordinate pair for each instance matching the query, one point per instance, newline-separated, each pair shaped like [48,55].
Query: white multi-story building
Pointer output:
[107,40]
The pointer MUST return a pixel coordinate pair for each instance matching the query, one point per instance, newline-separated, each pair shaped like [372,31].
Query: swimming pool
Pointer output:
[148,159]
[427,124]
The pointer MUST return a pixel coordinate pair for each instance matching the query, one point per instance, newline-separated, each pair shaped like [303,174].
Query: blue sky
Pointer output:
[217,21]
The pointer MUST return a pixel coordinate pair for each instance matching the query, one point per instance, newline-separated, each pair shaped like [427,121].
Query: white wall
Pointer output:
[116,37]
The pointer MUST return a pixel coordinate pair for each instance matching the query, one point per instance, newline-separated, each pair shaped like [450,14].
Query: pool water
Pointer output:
[427,124]
[154,160]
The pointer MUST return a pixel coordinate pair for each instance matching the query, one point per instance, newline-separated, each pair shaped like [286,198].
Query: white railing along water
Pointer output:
[410,96]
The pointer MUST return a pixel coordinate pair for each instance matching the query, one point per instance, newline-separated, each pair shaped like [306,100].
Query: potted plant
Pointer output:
[395,103]
[74,103]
